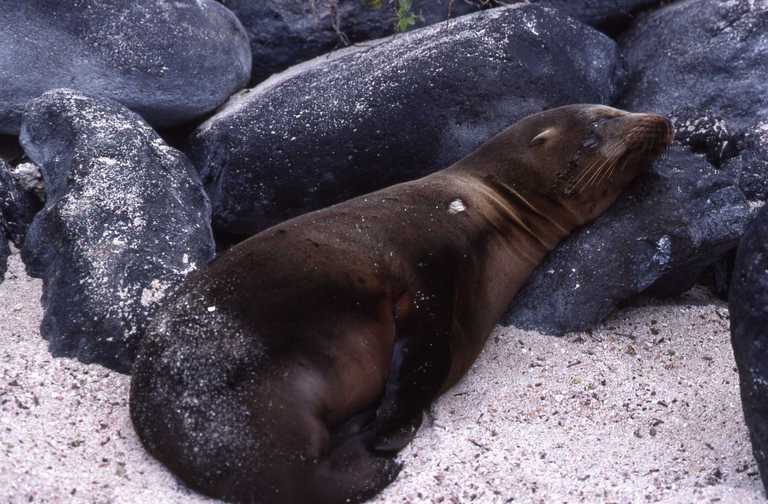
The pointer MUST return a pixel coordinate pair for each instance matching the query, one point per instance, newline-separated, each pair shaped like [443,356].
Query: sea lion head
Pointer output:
[583,156]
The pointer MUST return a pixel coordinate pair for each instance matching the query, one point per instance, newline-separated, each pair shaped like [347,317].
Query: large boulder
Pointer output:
[170,61]
[125,219]
[748,306]
[709,77]
[362,119]
[286,32]
[660,235]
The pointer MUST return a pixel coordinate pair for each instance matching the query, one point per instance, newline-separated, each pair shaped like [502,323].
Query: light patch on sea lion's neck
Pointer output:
[507,209]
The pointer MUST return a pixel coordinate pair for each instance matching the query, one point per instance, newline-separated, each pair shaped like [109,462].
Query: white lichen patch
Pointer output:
[30,178]
[663,251]
[154,293]
[761,133]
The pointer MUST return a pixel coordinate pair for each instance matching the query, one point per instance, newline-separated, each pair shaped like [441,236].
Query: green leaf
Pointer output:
[405,15]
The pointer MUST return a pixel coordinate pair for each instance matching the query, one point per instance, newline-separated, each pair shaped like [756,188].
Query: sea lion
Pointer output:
[295,366]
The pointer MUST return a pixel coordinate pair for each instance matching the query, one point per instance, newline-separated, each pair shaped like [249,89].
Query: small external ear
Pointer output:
[542,137]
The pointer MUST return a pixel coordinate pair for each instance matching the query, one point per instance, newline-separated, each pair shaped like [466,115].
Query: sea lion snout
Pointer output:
[648,132]
[645,135]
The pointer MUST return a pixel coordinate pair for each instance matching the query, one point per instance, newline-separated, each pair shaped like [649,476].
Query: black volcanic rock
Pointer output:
[359,120]
[125,220]
[750,169]
[4,249]
[657,239]
[169,61]
[606,14]
[706,133]
[704,64]
[18,205]
[10,150]
[286,32]
[748,305]
[750,166]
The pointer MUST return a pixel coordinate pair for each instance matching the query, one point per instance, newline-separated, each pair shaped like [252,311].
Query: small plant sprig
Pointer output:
[405,15]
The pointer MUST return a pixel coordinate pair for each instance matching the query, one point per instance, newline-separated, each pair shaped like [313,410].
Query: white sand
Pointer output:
[622,415]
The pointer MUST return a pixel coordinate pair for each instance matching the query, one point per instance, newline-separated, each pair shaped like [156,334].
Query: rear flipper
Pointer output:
[361,460]
[351,472]
[419,369]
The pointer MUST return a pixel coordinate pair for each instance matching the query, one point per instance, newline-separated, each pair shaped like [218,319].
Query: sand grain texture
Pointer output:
[645,409]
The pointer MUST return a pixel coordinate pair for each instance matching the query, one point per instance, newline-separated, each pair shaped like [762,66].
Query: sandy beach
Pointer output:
[643,409]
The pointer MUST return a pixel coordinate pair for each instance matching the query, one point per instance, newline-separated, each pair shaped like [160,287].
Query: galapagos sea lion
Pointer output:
[295,366]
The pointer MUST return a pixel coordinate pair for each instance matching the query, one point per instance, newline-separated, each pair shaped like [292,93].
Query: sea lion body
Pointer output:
[298,363]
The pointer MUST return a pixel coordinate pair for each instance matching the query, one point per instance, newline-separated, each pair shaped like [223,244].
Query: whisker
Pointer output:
[583,174]
[594,167]
[607,173]
[610,160]
[597,172]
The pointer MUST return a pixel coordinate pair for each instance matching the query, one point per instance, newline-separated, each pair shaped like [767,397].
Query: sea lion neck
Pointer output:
[544,219]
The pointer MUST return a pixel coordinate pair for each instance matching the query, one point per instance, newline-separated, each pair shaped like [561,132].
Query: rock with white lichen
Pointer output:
[286,32]
[125,219]
[748,305]
[169,61]
[707,133]
[657,239]
[361,119]
[709,77]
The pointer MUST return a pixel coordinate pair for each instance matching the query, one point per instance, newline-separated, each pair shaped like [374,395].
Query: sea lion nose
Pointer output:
[641,127]
[663,124]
